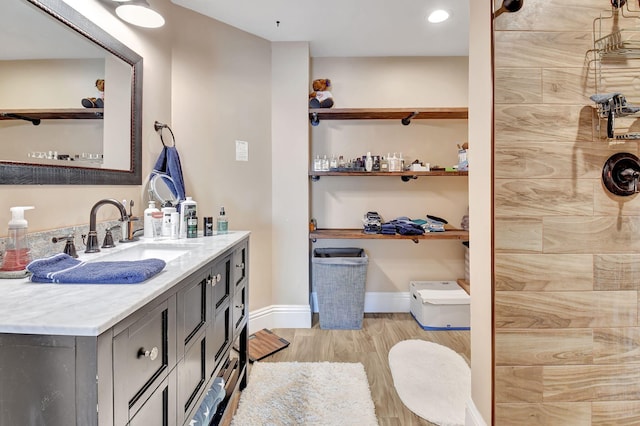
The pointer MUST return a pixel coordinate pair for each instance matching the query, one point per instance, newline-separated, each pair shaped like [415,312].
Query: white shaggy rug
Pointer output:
[432,380]
[306,393]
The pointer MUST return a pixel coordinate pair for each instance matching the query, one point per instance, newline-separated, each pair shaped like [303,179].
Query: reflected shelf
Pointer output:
[52,114]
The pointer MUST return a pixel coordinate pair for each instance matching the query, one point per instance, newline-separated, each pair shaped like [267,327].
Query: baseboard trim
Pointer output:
[299,316]
[472,415]
[280,316]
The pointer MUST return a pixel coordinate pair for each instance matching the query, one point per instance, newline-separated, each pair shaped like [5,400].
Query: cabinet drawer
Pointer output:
[142,357]
[240,264]
[192,375]
[160,408]
[221,281]
[240,305]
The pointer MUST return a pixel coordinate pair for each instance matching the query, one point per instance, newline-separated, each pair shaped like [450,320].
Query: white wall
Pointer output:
[480,218]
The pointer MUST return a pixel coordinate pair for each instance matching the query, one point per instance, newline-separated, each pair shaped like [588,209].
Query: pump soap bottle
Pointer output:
[223,222]
[17,254]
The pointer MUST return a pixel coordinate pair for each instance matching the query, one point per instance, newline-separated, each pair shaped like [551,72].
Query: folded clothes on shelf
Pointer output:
[372,222]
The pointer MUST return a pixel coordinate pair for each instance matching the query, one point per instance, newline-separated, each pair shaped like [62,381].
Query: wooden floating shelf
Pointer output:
[53,114]
[358,234]
[389,113]
[408,174]
[466,286]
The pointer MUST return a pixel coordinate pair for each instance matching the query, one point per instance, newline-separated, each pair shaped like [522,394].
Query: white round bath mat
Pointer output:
[432,380]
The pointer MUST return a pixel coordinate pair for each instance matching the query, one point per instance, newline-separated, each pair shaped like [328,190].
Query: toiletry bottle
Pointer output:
[317,164]
[223,222]
[175,225]
[368,162]
[192,225]
[187,206]
[166,220]
[148,219]
[17,254]
[208,226]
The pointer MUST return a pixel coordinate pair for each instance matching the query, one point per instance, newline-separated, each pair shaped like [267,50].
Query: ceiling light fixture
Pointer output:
[139,13]
[438,16]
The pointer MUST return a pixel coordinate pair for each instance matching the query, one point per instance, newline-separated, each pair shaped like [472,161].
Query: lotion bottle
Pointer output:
[17,254]
[148,219]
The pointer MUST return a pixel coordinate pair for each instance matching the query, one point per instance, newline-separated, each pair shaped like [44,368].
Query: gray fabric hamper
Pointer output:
[339,276]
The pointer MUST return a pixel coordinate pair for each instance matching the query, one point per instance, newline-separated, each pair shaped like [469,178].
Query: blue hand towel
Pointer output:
[169,163]
[64,269]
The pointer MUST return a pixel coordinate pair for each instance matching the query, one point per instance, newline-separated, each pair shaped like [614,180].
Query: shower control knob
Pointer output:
[621,173]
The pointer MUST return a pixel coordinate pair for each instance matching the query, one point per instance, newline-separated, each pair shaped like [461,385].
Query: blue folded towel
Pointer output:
[64,269]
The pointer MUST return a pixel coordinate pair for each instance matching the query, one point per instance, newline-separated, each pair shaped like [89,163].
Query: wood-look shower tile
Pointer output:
[547,414]
[543,347]
[520,235]
[591,383]
[616,272]
[570,309]
[570,160]
[568,15]
[599,234]
[543,123]
[567,85]
[543,49]
[618,413]
[616,345]
[543,197]
[543,272]
[605,203]
[518,384]
[518,86]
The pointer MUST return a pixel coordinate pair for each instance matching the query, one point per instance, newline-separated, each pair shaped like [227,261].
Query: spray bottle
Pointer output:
[17,254]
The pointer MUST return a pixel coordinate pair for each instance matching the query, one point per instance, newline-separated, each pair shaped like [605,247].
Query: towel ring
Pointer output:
[159,126]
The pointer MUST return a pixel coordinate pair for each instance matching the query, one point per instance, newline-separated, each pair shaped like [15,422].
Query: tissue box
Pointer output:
[439,305]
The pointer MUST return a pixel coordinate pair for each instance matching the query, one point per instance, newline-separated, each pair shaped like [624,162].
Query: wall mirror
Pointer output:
[50,61]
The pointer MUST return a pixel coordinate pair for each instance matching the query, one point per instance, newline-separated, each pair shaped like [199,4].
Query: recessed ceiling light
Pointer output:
[438,16]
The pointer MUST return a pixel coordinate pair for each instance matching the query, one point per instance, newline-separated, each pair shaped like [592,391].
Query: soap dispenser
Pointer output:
[17,254]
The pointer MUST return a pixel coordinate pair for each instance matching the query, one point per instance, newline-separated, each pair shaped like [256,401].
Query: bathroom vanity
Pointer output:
[136,354]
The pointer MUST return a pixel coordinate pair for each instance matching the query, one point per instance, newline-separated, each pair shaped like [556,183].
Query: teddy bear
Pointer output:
[97,102]
[321,97]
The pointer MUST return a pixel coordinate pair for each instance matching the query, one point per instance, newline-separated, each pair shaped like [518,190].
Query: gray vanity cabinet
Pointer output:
[151,368]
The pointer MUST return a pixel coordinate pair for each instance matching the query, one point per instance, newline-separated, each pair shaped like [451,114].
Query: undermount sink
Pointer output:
[143,251]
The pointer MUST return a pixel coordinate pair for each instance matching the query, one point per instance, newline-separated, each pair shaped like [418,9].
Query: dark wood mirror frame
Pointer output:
[28,174]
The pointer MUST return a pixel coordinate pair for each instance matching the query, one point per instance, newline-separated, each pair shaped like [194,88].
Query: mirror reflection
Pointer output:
[69,98]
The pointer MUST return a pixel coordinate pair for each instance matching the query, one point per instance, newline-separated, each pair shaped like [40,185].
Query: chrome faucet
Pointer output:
[92,237]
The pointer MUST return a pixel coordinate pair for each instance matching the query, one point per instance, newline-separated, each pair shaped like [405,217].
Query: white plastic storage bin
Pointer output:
[439,305]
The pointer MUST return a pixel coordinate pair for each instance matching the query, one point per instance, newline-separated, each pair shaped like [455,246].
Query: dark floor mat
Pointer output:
[264,343]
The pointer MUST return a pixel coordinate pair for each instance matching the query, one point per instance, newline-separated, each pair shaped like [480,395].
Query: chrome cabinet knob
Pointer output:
[152,354]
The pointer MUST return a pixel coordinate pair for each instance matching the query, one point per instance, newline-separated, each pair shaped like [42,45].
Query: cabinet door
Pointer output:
[239,307]
[160,408]
[142,356]
[192,310]
[219,335]
[192,376]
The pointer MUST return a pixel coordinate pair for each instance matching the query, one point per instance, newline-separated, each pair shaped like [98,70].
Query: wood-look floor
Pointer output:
[369,346]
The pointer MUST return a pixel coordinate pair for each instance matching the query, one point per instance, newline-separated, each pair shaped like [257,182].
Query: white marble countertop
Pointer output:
[90,309]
